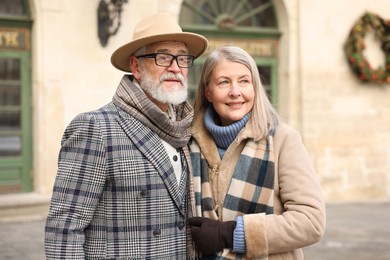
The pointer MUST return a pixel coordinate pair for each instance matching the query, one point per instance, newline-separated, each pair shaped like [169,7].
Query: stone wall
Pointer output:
[345,124]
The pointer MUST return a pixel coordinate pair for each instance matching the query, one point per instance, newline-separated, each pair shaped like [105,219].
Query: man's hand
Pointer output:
[211,235]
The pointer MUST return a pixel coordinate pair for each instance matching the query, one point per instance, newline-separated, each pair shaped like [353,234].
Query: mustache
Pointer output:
[173,76]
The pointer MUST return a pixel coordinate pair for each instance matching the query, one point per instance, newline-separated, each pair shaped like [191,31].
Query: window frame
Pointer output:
[16,171]
[238,33]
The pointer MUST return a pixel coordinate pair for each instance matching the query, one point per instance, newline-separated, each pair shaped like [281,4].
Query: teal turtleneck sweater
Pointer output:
[223,135]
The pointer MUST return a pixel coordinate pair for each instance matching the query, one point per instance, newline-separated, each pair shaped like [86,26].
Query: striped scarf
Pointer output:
[133,100]
[247,189]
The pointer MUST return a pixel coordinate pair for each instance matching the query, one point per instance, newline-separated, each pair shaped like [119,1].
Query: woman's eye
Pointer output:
[245,81]
[223,82]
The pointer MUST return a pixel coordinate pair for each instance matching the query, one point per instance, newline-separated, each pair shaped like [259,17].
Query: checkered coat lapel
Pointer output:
[150,145]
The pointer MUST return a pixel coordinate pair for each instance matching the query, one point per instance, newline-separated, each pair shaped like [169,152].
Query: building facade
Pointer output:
[55,63]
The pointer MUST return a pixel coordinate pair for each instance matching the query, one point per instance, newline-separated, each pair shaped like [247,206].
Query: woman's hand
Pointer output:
[210,235]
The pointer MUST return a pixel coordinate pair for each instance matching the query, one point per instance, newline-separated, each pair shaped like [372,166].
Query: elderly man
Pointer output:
[123,186]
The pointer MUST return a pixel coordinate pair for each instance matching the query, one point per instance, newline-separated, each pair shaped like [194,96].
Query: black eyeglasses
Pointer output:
[166,59]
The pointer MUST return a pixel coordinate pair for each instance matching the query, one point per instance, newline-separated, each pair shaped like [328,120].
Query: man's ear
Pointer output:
[135,67]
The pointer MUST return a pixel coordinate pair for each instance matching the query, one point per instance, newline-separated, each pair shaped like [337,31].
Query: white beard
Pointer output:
[178,94]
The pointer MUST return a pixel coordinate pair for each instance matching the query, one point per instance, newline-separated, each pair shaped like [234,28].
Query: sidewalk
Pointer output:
[354,231]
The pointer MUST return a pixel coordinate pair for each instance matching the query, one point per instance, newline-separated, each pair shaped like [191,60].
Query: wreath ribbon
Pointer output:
[355,46]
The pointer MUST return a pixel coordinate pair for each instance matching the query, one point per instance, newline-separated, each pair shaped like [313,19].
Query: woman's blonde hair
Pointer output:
[263,115]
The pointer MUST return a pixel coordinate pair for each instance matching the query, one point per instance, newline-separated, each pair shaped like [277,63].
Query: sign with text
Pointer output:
[14,39]
[255,47]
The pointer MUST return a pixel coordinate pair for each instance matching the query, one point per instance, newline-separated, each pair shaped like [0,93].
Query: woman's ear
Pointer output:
[207,95]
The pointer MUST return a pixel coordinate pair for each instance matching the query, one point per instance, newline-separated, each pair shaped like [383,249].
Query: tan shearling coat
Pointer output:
[299,209]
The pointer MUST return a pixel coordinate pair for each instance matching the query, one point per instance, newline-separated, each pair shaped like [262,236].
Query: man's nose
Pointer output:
[174,66]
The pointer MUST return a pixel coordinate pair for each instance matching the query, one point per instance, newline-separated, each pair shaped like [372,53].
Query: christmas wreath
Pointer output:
[354,47]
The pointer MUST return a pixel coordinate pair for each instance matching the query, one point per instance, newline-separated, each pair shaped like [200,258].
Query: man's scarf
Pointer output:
[133,100]
[177,133]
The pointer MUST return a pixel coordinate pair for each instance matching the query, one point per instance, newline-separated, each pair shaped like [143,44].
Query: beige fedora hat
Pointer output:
[158,27]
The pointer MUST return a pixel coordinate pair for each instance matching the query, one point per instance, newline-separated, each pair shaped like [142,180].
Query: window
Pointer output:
[249,24]
[15,97]
[13,8]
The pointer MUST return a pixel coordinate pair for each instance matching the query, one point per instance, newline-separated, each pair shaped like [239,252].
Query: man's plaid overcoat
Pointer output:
[116,194]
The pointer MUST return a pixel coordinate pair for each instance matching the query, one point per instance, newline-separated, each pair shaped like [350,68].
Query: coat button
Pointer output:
[157,232]
[144,193]
[175,158]
[181,225]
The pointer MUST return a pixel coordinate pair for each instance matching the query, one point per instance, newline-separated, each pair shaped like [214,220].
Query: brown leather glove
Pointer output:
[210,235]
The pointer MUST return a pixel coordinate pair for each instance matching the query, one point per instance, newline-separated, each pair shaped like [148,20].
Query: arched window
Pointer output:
[15,97]
[250,24]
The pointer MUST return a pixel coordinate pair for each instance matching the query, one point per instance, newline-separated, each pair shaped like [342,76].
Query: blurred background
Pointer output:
[325,65]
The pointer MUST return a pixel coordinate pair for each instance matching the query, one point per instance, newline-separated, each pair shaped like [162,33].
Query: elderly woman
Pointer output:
[257,196]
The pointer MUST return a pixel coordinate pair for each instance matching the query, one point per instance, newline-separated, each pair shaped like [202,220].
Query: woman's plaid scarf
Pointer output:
[249,190]
[254,172]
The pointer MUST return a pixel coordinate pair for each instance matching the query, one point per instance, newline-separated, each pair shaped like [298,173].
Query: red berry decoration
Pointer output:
[354,47]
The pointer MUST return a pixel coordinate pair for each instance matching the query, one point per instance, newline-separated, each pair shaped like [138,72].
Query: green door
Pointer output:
[15,121]
[15,97]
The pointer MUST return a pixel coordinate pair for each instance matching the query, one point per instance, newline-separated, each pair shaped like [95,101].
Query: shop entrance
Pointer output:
[15,98]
